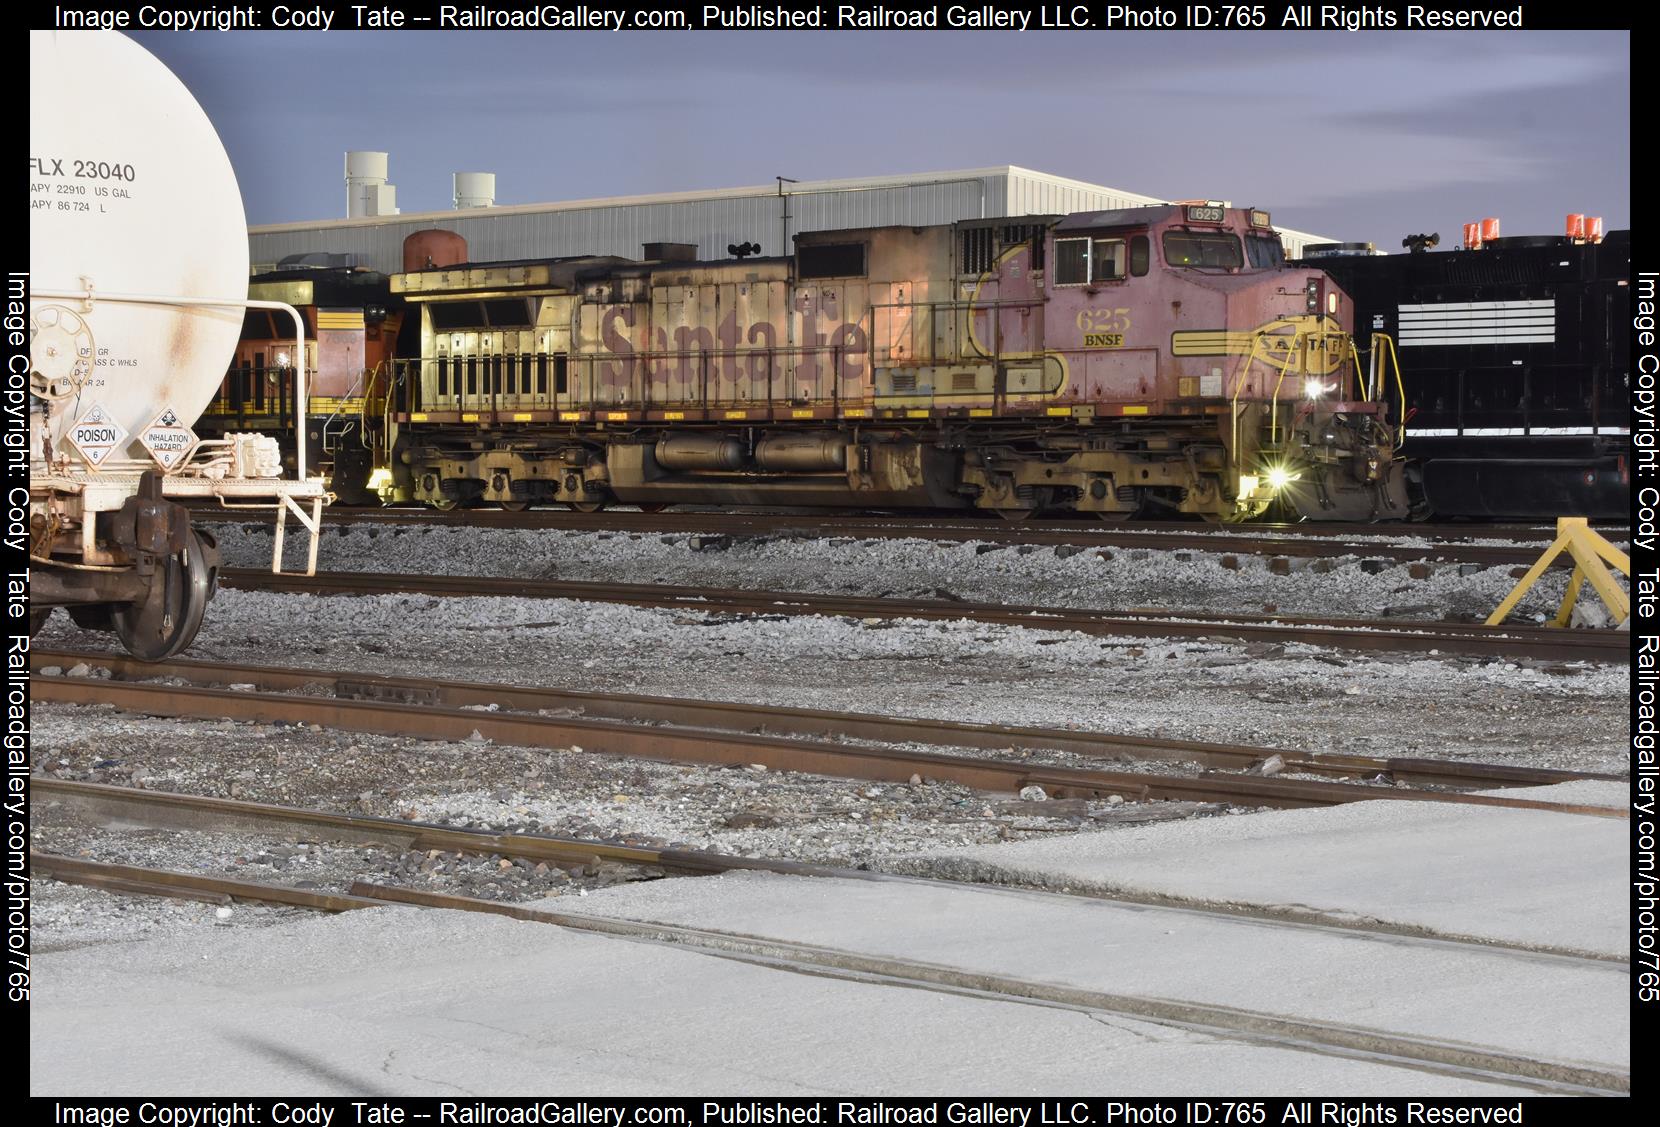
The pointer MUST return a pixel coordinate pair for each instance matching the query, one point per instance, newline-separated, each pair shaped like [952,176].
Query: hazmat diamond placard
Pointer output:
[168,440]
[97,435]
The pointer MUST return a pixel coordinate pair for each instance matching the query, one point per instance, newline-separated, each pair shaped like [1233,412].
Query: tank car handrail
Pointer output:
[91,297]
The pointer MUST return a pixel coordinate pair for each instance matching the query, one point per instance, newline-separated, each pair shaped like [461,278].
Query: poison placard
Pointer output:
[97,435]
[168,440]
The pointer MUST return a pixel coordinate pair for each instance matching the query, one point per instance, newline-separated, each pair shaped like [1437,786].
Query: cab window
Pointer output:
[1217,249]
[1107,260]
[1266,251]
[1071,262]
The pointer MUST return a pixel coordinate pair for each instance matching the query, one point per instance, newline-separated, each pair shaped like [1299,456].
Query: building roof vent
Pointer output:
[367,192]
[669,252]
[474,189]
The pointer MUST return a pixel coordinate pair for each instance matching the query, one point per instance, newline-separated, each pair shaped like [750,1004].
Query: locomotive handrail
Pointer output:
[90,297]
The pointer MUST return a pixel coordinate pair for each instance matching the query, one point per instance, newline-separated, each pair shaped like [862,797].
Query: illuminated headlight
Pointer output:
[381,479]
[282,359]
[1314,387]
[1279,477]
[1247,485]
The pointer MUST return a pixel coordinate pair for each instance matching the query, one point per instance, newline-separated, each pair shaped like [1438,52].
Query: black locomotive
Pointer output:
[1516,363]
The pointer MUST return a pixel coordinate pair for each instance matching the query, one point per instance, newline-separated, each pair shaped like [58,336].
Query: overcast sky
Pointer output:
[1367,135]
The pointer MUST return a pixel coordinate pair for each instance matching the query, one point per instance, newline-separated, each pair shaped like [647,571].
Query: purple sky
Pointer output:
[1366,135]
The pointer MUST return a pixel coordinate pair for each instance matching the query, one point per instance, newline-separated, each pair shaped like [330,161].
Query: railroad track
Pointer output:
[1280,1030]
[814,723]
[668,730]
[1396,635]
[1368,541]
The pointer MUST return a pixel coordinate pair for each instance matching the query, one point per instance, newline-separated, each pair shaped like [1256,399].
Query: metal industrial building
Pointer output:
[770,215]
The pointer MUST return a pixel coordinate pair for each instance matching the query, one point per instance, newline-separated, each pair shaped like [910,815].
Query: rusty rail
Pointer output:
[686,744]
[820,723]
[1342,633]
[1317,540]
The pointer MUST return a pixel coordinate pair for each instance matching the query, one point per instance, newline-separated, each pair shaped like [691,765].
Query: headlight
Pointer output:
[1314,387]
[1279,477]
[1247,485]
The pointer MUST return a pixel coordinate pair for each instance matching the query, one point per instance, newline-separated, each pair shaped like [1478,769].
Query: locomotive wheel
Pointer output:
[654,507]
[586,506]
[444,504]
[513,506]
[1015,516]
[166,623]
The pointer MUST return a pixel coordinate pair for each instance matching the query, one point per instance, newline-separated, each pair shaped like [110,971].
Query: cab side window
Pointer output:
[1071,262]
[1140,255]
[1107,260]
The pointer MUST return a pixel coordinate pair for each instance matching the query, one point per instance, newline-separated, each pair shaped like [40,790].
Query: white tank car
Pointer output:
[130,191]
[138,260]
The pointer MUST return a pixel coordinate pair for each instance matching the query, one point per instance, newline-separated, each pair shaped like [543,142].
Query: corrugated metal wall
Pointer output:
[711,222]
[1035,194]
[497,234]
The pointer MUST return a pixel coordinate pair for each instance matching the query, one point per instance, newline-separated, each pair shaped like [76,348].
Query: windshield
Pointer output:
[1266,251]
[1202,248]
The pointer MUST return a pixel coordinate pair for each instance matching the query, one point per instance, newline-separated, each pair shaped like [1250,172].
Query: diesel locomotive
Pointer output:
[1150,360]
[351,324]
[1516,357]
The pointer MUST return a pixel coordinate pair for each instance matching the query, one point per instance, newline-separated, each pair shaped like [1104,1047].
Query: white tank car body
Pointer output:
[130,192]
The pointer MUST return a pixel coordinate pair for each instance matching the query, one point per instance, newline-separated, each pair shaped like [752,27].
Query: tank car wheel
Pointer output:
[166,623]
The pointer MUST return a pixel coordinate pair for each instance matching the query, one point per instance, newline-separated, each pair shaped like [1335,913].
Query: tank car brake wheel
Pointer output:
[60,347]
[166,623]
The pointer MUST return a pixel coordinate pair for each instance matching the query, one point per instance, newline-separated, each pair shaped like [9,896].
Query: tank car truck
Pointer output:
[138,283]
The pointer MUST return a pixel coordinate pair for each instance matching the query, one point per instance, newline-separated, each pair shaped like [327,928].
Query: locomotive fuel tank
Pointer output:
[802,453]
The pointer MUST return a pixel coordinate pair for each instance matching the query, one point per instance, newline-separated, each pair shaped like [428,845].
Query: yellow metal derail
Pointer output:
[1591,555]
